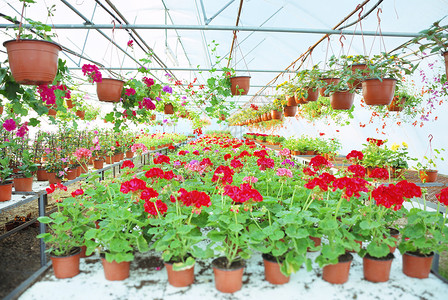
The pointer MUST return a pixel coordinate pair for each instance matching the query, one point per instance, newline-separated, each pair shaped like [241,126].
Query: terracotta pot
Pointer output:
[52,112]
[81,114]
[295,152]
[395,173]
[328,81]
[117,157]
[129,154]
[66,266]
[71,174]
[339,272]
[153,117]
[23,184]
[69,103]
[83,252]
[98,164]
[42,174]
[397,104]
[109,159]
[291,101]
[377,269]
[114,271]
[179,278]
[33,62]
[109,89]
[227,280]
[310,152]
[417,266]
[52,179]
[357,84]
[445,55]
[168,109]
[290,111]
[78,171]
[313,95]
[239,83]
[428,175]
[152,148]
[84,168]
[395,234]
[1,109]
[272,272]
[342,100]
[317,242]
[377,92]
[276,115]
[5,191]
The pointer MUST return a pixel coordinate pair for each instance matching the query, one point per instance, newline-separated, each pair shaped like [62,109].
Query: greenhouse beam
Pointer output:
[220,28]
[200,69]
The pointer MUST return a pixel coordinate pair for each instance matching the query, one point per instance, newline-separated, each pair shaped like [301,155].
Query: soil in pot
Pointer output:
[5,191]
[114,271]
[228,280]
[179,278]
[377,269]
[272,271]
[417,265]
[23,184]
[338,273]
[66,266]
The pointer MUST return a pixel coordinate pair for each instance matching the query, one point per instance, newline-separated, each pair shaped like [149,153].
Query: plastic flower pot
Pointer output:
[109,159]
[240,85]
[357,84]
[23,184]
[417,265]
[317,242]
[428,175]
[52,178]
[33,62]
[129,154]
[83,252]
[395,234]
[291,101]
[81,114]
[445,55]
[98,164]
[71,174]
[114,271]
[338,273]
[377,92]
[328,81]
[272,272]
[313,95]
[377,269]
[5,191]
[168,109]
[228,280]
[342,100]
[179,278]
[109,89]
[397,104]
[69,103]
[290,111]
[42,174]
[84,168]
[66,266]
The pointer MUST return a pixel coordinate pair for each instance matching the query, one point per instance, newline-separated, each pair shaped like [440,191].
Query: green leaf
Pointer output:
[45,220]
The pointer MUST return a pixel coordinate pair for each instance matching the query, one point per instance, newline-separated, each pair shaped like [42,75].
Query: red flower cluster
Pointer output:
[161,159]
[77,192]
[196,152]
[375,141]
[322,181]
[351,185]
[223,174]
[242,194]
[254,107]
[308,171]
[355,154]
[150,207]
[236,163]
[149,193]
[133,185]
[127,164]
[243,154]
[357,170]
[193,198]
[260,153]
[206,162]
[53,187]
[319,162]
[379,173]
[182,152]
[227,156]
[443,196]
[264,163]
[159,173]
[393,195]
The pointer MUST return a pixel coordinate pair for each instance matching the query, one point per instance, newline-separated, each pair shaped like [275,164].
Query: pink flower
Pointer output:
[284,152]
[139,148]
[9,125]
[148,81]
[92,72]
[284,172]
[130,43]
[83,154]
[130,92]
[23,130]
[250,179]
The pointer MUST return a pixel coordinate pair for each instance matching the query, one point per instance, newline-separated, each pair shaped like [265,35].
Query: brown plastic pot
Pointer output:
[109,159]
[377,269]
[357,84]
[317,242]
[33,62]
[338,273]
[71,174]
[417,266]
[428,175]
[377,92]
[227,280]
[114,271]
[78,171]
[98,164]
[328,81]
[239,85]
[52,178]
[109,89]
[397,104]
[5,191]
[291,101]
[69,103]
[313,95]
[52,112]
[272,272]
[342,100]
[66,266]
[276,115]
[168,109]
[83,252]
[1,109]
[23,184]
[84,168]
[290,111]
[179,278]
[42,174]
[81,114]
[395,233]
[129,154]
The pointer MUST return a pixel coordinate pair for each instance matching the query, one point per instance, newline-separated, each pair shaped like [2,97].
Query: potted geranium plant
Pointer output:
[23,182]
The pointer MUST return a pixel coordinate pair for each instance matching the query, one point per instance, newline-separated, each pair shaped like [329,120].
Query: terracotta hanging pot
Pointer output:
[328,81]
[342,100]
[66,266]
[33,62]
[354,83]
[416,265]
[129,154]
[109,89]
[98,164]
[276,115]
[397,104]
[114,271]
[52,178]
[290,111]
[272,272]
[42,174]
[445,55]
[313,95]
[179,278]
[228,280]
[52,112]
[377,92]
[81,114]
[1,109]
[377,269]
[168,109]
[339,272]
[69,103]
[23,184]
[5,191]
[428,175]
[239,85]
[291,101]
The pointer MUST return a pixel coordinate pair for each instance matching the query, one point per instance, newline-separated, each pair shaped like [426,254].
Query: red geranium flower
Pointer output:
[264,163]
[133,185]
[77,192]
[235,163]
[168,175]
[154,173]
[355,154]
[127,164]
[260,153]
[409,189]
[379,173]
[161,159]
[227,156]
[443,196]
[352,186]
[375,141]
[150,207]
[149,193]
[388,196]
[224,174]
[319,162]
[357,170]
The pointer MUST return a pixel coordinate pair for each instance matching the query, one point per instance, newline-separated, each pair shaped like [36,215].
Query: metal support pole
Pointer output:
[42,228]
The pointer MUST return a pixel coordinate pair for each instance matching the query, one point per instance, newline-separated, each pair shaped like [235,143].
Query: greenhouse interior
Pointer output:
[234,149]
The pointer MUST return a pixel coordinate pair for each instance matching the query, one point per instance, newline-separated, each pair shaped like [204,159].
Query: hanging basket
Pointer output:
[109,89]
[342,100]
[313,95]
[168,109]
[81,114]
[397,104]
[328,81]
[240,85]
[354,83]
[377,92]
[290,111]
[276,115]
[291,101]
[33,62]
